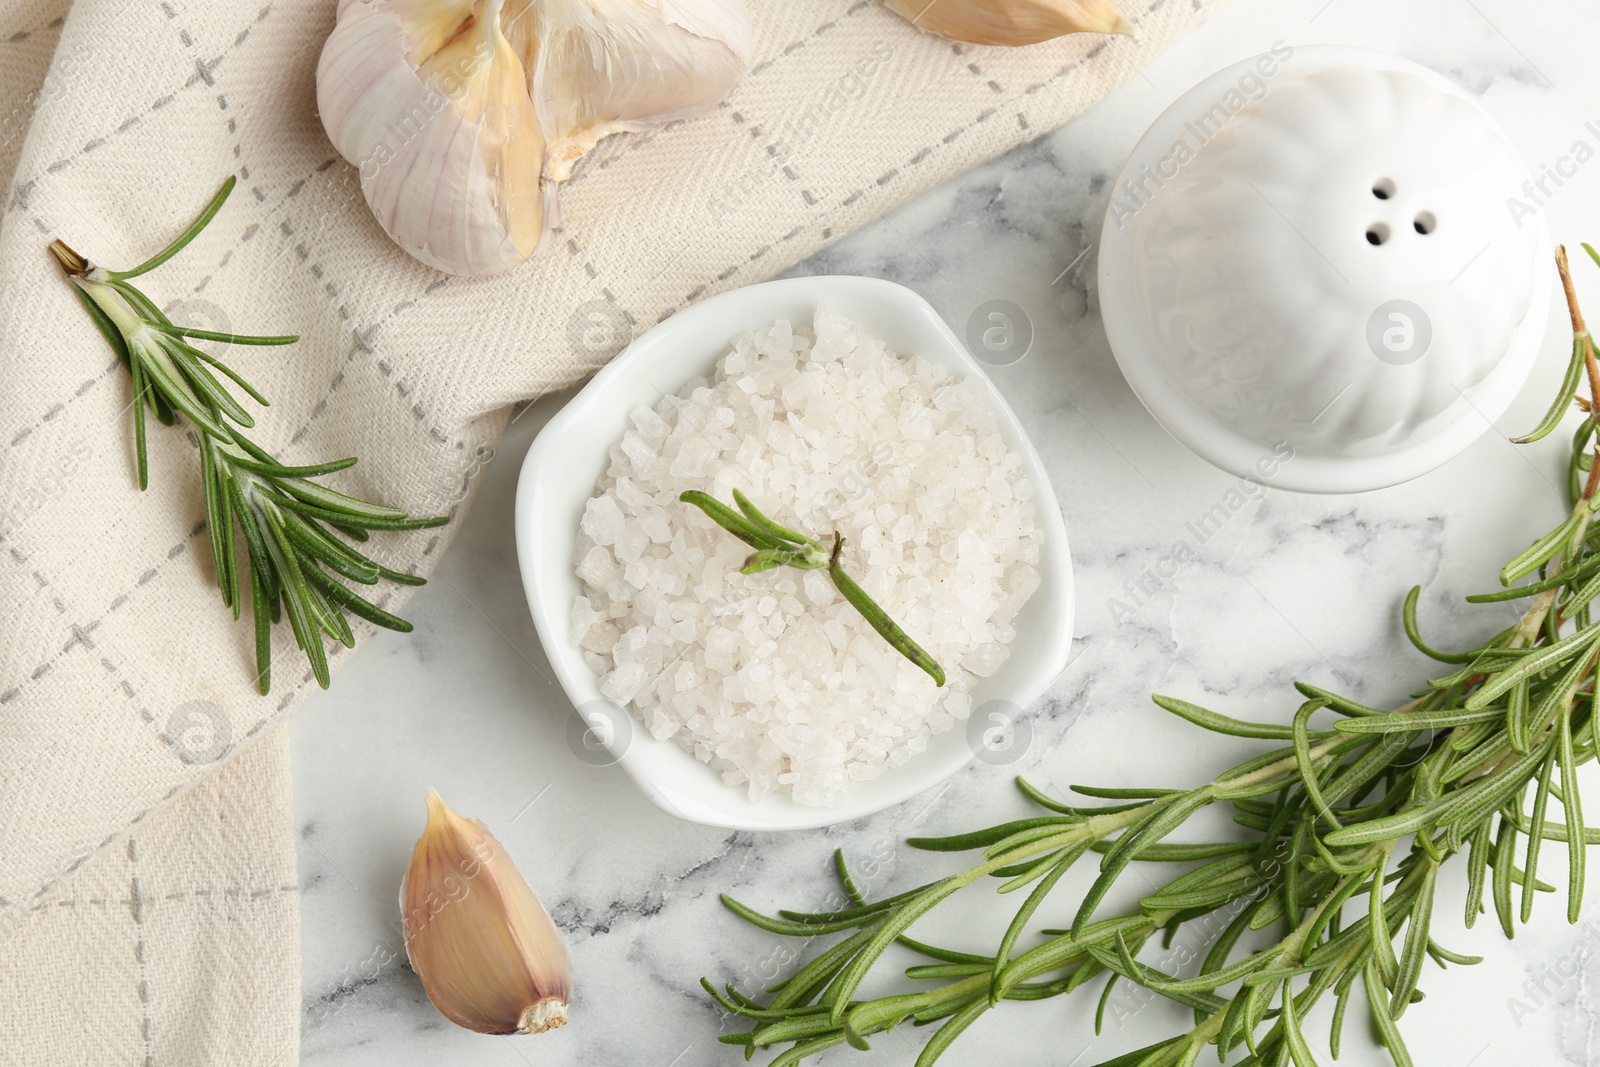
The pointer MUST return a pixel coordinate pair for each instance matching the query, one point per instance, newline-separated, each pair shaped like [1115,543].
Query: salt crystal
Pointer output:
[629,644]
[917,422]
[835,334]
[780,438]
[780,335]
[583,616]
[694,457]
[596,567]
[661,724]
[602,520]
[633,498]
[711,577]
[808,646]
[985,659]
[722,648]
[655,527]
[819,590]
[641,453]
[1023,581]
[651,426]
[631,545]
[837,634]
[646,601]
[621,684]
[602,637]
[686,678]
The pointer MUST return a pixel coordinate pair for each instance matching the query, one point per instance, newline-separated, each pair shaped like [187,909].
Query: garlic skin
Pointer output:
[1012,22]
[462,115]
[606,66]
[488,955]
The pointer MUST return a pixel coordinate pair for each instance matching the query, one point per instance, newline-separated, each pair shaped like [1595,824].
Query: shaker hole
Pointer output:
[1383,188]
[1377,234]
[1425,223]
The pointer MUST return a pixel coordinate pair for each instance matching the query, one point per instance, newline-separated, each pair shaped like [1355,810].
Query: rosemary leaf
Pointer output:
[1222,724]
[1572,805]
[1541,798]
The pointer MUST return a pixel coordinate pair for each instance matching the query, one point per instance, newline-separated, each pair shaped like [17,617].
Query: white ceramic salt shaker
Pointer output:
[1319,253]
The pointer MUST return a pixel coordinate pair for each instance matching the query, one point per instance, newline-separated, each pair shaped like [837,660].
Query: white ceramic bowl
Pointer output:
[568,457]
[1315,250]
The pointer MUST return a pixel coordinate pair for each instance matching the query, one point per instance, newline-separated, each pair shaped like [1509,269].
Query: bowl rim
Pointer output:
[1200,431]
[546,528]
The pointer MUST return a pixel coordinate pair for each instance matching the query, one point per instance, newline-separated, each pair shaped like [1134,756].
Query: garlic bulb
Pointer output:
[1012,22]
[488,955]
[461,115]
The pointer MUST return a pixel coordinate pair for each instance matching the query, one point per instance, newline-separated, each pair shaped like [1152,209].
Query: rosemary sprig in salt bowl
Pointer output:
[776,546]
[288,520]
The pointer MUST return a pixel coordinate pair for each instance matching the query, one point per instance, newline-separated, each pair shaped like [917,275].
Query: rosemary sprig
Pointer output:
[777,546]
[289,521]
[1349,827]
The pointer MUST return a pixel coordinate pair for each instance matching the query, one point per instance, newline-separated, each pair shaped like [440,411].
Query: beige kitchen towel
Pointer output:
[146,848]
[158,949]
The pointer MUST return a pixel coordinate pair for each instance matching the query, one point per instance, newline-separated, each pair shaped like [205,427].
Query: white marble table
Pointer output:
[1291,587]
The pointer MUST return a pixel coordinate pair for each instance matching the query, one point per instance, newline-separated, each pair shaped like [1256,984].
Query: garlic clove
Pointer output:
[605,66]
[429,100]
[1012,22]
[506,145]
[488,955]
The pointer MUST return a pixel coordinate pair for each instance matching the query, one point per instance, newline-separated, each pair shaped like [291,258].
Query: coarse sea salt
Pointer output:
[774,679]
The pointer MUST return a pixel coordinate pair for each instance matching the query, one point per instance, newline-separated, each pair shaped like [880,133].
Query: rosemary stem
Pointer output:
[1293,945]
[1093,829]
[1040,960]
[115,307]
[1273,770]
